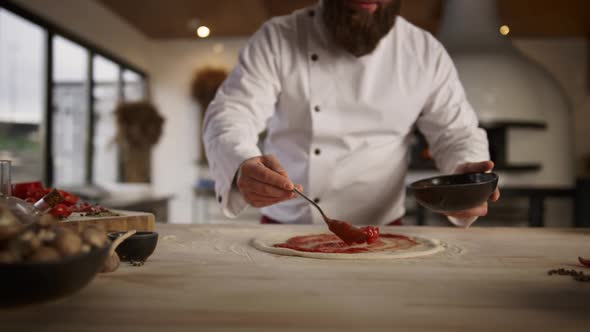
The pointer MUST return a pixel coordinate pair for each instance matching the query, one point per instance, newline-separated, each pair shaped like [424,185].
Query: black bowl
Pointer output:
[138,247]
[457,192]
[27,283]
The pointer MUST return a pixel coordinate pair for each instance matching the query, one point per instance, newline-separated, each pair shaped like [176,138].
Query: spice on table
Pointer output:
[577,275]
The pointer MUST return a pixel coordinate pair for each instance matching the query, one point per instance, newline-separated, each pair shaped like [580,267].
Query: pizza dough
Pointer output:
[424,247]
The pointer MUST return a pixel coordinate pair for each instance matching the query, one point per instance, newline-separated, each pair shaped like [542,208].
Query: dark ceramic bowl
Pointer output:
[453,193]
[27,283]
[138,247]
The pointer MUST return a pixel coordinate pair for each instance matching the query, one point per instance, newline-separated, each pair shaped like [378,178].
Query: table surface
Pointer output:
[210,278]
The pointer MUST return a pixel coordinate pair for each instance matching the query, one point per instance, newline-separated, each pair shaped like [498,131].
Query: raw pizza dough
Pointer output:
[425,247]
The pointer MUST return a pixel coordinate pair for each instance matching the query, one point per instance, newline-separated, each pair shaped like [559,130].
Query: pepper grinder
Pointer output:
[5,181]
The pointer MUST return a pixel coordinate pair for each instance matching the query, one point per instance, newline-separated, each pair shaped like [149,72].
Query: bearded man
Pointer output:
[340,88]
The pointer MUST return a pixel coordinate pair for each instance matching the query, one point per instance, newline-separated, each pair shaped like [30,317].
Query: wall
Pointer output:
[175,158]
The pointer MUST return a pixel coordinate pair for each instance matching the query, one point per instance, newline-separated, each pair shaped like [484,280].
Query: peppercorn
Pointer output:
[576,275]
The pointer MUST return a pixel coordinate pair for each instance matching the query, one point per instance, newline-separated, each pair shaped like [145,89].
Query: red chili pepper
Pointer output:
[69,199]
[61,211]
[585,262]
[22,190]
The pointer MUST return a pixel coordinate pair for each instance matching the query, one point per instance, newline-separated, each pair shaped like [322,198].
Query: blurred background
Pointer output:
[106,98]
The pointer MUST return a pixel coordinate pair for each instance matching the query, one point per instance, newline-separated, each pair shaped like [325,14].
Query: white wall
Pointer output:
[175,158]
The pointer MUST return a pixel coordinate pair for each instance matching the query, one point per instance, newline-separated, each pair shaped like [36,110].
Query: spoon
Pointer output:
[344,230]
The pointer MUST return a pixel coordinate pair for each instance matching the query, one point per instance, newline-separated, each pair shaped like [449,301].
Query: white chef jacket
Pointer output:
[340,125]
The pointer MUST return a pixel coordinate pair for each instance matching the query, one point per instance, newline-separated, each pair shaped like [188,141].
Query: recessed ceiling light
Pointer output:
[203,31]
[504,30]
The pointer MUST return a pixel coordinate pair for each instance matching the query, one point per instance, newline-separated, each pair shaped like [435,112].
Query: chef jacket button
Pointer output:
[314,57]
[311,13]
[317,151]
[316,108]
[219,199]
[316,200]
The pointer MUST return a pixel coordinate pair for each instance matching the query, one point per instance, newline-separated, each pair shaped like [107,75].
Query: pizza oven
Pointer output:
[519,104]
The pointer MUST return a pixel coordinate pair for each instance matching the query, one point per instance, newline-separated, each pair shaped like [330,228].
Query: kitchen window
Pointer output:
[106,94]
[58,93]
[22,95]
[70,112]
[134,87]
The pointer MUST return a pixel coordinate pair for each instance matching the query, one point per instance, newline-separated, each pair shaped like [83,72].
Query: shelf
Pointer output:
[518,168]
[514,124]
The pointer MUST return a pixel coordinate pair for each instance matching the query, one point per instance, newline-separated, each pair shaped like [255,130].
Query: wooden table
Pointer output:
[209,278]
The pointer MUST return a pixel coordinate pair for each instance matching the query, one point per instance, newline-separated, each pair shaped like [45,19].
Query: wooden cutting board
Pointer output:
[128,220]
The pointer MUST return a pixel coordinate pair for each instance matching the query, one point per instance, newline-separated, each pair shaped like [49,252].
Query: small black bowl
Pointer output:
[27,283]
[457,192]
[138,247]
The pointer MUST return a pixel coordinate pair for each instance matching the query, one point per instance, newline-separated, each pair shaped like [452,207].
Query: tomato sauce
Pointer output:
[351,234]
[330,243]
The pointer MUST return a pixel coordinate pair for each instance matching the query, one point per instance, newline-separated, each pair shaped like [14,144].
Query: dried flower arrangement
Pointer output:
[139,127]
[205,84]
[203,89]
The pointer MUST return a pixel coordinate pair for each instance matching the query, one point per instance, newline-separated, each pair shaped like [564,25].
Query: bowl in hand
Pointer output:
[452,193]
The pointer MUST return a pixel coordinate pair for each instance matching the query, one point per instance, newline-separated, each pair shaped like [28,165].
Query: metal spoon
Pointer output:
[344,230]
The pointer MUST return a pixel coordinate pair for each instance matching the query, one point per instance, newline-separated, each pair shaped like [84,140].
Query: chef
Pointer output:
[340,88]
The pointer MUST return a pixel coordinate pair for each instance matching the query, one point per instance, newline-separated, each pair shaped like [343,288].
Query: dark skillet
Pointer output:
[27,283]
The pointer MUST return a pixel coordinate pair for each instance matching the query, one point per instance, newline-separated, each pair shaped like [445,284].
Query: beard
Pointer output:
[357,31]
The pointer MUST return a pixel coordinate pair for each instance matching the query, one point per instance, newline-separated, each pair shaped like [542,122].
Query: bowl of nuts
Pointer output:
[45,261]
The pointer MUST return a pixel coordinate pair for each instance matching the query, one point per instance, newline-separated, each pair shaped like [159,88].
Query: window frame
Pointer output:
[53,30]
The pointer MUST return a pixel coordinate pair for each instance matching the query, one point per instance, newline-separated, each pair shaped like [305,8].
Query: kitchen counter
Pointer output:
[208,277]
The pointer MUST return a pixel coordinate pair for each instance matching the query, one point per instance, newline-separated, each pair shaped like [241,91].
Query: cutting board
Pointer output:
[128,220]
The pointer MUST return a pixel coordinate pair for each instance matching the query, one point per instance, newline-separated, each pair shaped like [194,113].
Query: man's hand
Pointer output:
[262,181]
[482,210]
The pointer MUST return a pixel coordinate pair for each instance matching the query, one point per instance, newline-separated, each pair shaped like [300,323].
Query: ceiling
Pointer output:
[170,19]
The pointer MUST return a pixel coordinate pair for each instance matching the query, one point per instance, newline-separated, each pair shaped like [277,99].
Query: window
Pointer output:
[70,112]
[57,99]
[22,95]
[105,95]
[134,88]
